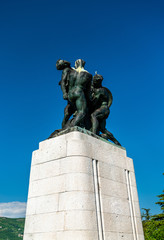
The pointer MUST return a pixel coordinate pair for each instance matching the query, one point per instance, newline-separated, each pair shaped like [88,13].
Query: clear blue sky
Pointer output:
[122,40]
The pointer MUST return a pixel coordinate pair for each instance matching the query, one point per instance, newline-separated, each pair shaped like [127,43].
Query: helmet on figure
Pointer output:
[97,79]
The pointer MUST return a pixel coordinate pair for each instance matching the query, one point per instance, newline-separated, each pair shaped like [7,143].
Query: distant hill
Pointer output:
[11,228]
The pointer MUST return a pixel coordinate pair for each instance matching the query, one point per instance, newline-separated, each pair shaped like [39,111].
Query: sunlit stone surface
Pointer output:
[82,188]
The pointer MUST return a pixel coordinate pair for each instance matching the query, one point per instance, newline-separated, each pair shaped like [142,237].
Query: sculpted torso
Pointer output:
[78,82]
[100,97]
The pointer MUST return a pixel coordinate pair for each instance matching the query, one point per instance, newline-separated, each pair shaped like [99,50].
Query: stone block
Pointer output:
[50,150]
[58,167]
[76,135]
[79,148]
[140,237]
[77,235]
[134,193]
[132,179]
[31,207]
[117,223]
[107,152]
[80,220]
[136,208]
[45,223]
[111,172]
[115,205]
[125,236]
[129,164]
[28,236]
[79,182]
[118,236]
[45,170]
[111,235]
[47,186]
[139,225]
[112,188]
[43,204]
[40,236]
[76,201]
[76,164]
[34,173]
[49,143]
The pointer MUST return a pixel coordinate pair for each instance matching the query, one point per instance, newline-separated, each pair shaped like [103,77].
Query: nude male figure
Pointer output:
[101,102]
[75,84]
[65,66]
[79,90]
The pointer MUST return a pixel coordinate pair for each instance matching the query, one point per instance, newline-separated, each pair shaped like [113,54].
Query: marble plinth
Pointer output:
[82,188]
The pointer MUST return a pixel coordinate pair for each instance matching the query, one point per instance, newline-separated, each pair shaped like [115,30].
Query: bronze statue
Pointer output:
[75,84]
[64,83]
[78,89]
[101,101]
[88,102]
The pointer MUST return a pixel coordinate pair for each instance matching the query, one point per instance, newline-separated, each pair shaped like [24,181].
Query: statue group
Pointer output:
[88,102]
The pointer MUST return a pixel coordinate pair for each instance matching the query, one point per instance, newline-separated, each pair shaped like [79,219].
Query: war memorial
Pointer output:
[82,184]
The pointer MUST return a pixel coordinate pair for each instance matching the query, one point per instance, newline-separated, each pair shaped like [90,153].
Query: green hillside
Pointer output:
[11,228]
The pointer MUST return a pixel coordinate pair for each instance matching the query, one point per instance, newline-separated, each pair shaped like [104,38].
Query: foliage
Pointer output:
[11,228]
[153,230]
[146,215]
[161,201]
[153,226]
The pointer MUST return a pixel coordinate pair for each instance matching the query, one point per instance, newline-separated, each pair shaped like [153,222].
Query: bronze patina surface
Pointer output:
[88,102]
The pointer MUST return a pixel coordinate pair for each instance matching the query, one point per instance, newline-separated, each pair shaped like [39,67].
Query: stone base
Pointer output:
[82,188]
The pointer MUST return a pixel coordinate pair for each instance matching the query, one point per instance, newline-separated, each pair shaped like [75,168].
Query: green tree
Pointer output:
[154,230]
[161,201]
[160,217]
[154,226]
[146,214]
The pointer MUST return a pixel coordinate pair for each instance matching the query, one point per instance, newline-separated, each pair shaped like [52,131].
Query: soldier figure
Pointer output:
[101,102]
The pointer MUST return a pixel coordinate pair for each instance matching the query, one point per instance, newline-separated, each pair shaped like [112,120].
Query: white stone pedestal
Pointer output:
[82,188]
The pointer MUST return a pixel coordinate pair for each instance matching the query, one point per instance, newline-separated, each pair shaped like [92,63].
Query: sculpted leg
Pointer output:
[96,117]
[68,111]
[111,137]
[81,107]
[106,134]
[95,123]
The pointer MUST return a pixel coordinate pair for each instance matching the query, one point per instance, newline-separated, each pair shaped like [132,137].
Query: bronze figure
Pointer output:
[88,102]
